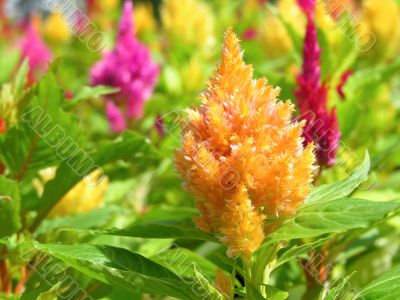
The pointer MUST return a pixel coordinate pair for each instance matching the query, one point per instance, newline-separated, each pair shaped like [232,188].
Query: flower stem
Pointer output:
[248,278]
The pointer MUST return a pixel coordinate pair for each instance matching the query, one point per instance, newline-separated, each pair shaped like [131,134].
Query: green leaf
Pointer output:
[163,230]
[89,92]
[20,79]
[386,287]
[333,216]
[130,147]
[274,293]
[343,188]
[95,218]
[362,87]
[181,261]
[8,62]
[123,269]
[46,134]
[290,253]
[371,76]
[204,289]
[165,212]
[339,290]
[9,207]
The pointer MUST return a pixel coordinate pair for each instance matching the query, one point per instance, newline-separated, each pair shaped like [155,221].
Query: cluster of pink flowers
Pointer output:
[35,51]
[130,68]
[312,96]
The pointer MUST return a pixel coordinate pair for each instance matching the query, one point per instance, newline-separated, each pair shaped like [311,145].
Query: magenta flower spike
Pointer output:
[312,96]
[34,50]
[128,67]
[115,116]
[307,6]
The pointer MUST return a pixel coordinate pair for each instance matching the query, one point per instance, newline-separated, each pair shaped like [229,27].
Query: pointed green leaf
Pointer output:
[386,287]
[343,188]
[333,216]
[169,229]
[122,269]
[9,207]
[203,288]
[181,260]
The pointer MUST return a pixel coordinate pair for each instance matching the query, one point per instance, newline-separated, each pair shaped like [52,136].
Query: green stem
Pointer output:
[263,267]
[248,279]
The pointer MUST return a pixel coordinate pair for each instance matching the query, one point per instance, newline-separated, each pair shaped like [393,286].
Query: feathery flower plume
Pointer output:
[189,22]
[82,198]
[115,116]
[241,155]
[379,28]
[250,33]
[128,67]
[35,51]
[56,28]
[274,37]
[144,18]
[322,126]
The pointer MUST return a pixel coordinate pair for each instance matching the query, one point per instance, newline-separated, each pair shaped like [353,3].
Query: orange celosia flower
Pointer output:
[241,155]
[224,284]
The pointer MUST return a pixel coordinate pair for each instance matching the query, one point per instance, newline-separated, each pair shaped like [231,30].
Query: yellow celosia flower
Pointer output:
[241,155]
[193,74]
[292,14]
[274,37]
[144,18]
[56,29]
[379,18]
[337,7]
[107,5]
[190,22]
[83,197]
[327,23]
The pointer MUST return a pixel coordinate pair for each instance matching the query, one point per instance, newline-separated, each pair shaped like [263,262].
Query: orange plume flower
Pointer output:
[242,156]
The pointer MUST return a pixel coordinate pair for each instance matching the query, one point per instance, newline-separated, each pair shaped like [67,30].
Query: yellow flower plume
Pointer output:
[86,195]
[56,28]
[274,37]
[241,155]
[379,28]
[144,18]
[190,22]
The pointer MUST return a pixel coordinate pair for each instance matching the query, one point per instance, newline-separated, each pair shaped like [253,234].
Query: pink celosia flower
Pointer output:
[250,34]
[115,116]
[322,126]
[34,50]
[128,67]
[307,6]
